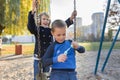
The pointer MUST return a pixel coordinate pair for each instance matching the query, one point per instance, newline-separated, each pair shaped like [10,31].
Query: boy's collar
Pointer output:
[58,42]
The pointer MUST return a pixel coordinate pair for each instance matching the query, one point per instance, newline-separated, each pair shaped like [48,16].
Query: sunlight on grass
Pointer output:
[86,45]
[10,49]
[95,45]
[28,49]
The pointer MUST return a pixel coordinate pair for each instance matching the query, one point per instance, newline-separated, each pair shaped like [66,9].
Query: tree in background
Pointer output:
[14,14]
[2,16]
[114,15]
[110,34]
[44,6]
[113,20]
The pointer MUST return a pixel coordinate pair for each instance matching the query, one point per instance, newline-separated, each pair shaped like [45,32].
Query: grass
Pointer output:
[94,46]
[29,48]
[10,49]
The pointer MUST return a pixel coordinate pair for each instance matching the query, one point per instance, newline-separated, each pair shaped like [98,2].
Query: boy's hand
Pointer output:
[73,15]
[62,58]
[75,45]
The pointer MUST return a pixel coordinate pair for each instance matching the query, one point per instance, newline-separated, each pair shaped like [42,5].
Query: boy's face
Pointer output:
[59,34]
[45,21]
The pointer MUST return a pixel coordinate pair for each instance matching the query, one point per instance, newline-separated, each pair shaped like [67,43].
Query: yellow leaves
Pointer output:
[20,15]
[44,6]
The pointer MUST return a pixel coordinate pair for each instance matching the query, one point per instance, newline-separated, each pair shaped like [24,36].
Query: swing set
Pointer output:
[101,40]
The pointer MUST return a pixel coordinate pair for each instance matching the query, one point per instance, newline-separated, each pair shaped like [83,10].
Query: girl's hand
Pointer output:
[62,58]
[73,15]
[34,6]
[75,45]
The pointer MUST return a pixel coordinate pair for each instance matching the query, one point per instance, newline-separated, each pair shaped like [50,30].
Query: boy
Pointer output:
[61,54]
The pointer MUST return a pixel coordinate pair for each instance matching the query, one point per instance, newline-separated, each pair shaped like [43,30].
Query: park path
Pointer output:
[20,67]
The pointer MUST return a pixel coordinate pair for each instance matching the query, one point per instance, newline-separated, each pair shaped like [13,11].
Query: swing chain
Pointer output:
[74,21]
[41,75]
[38,38]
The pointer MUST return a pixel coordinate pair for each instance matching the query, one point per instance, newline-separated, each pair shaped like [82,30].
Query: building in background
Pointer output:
[70,30]
[78,22]
[90,32]
[97,25]
[93,31]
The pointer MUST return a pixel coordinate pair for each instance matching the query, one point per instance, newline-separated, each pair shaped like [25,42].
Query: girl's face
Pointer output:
[59,34]
[45,21]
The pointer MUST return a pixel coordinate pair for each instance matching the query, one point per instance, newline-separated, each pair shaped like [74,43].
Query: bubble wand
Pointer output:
[66,51]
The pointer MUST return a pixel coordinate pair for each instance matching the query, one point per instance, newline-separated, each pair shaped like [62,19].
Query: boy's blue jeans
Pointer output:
[63,75]
[36,68]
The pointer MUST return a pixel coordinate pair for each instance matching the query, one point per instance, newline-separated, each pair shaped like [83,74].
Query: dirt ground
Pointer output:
[86,66]
[20,67]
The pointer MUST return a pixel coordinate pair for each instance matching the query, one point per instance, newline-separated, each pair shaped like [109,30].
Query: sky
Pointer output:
[62,9]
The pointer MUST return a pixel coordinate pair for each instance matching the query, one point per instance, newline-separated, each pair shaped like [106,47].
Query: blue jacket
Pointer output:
[55,49]
[45,34]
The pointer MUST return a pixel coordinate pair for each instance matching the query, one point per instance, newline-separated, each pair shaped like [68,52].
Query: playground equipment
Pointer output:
[102,38]
[75,21]
[113,43]
[119,1]
[40,75]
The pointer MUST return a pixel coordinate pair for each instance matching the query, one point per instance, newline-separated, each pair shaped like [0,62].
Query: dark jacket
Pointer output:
[45,34]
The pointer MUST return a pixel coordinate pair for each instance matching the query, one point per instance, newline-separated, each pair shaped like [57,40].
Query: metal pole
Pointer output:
[113,43]
[102,36]
[75,21]
[119,1]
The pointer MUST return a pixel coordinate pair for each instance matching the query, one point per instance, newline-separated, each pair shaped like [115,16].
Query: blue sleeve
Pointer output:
[47,59]
[81,49]
[69,22]
[31,23]
[55,59]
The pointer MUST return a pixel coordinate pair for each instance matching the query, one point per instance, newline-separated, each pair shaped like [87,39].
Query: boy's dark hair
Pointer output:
[58,24]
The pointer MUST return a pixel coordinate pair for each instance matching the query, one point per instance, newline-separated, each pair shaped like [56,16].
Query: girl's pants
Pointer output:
[36,68]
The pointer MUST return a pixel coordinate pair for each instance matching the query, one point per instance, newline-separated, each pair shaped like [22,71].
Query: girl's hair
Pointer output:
[58,24]
[44,13]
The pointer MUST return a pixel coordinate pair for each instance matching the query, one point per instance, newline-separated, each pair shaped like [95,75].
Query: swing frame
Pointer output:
[102,38]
